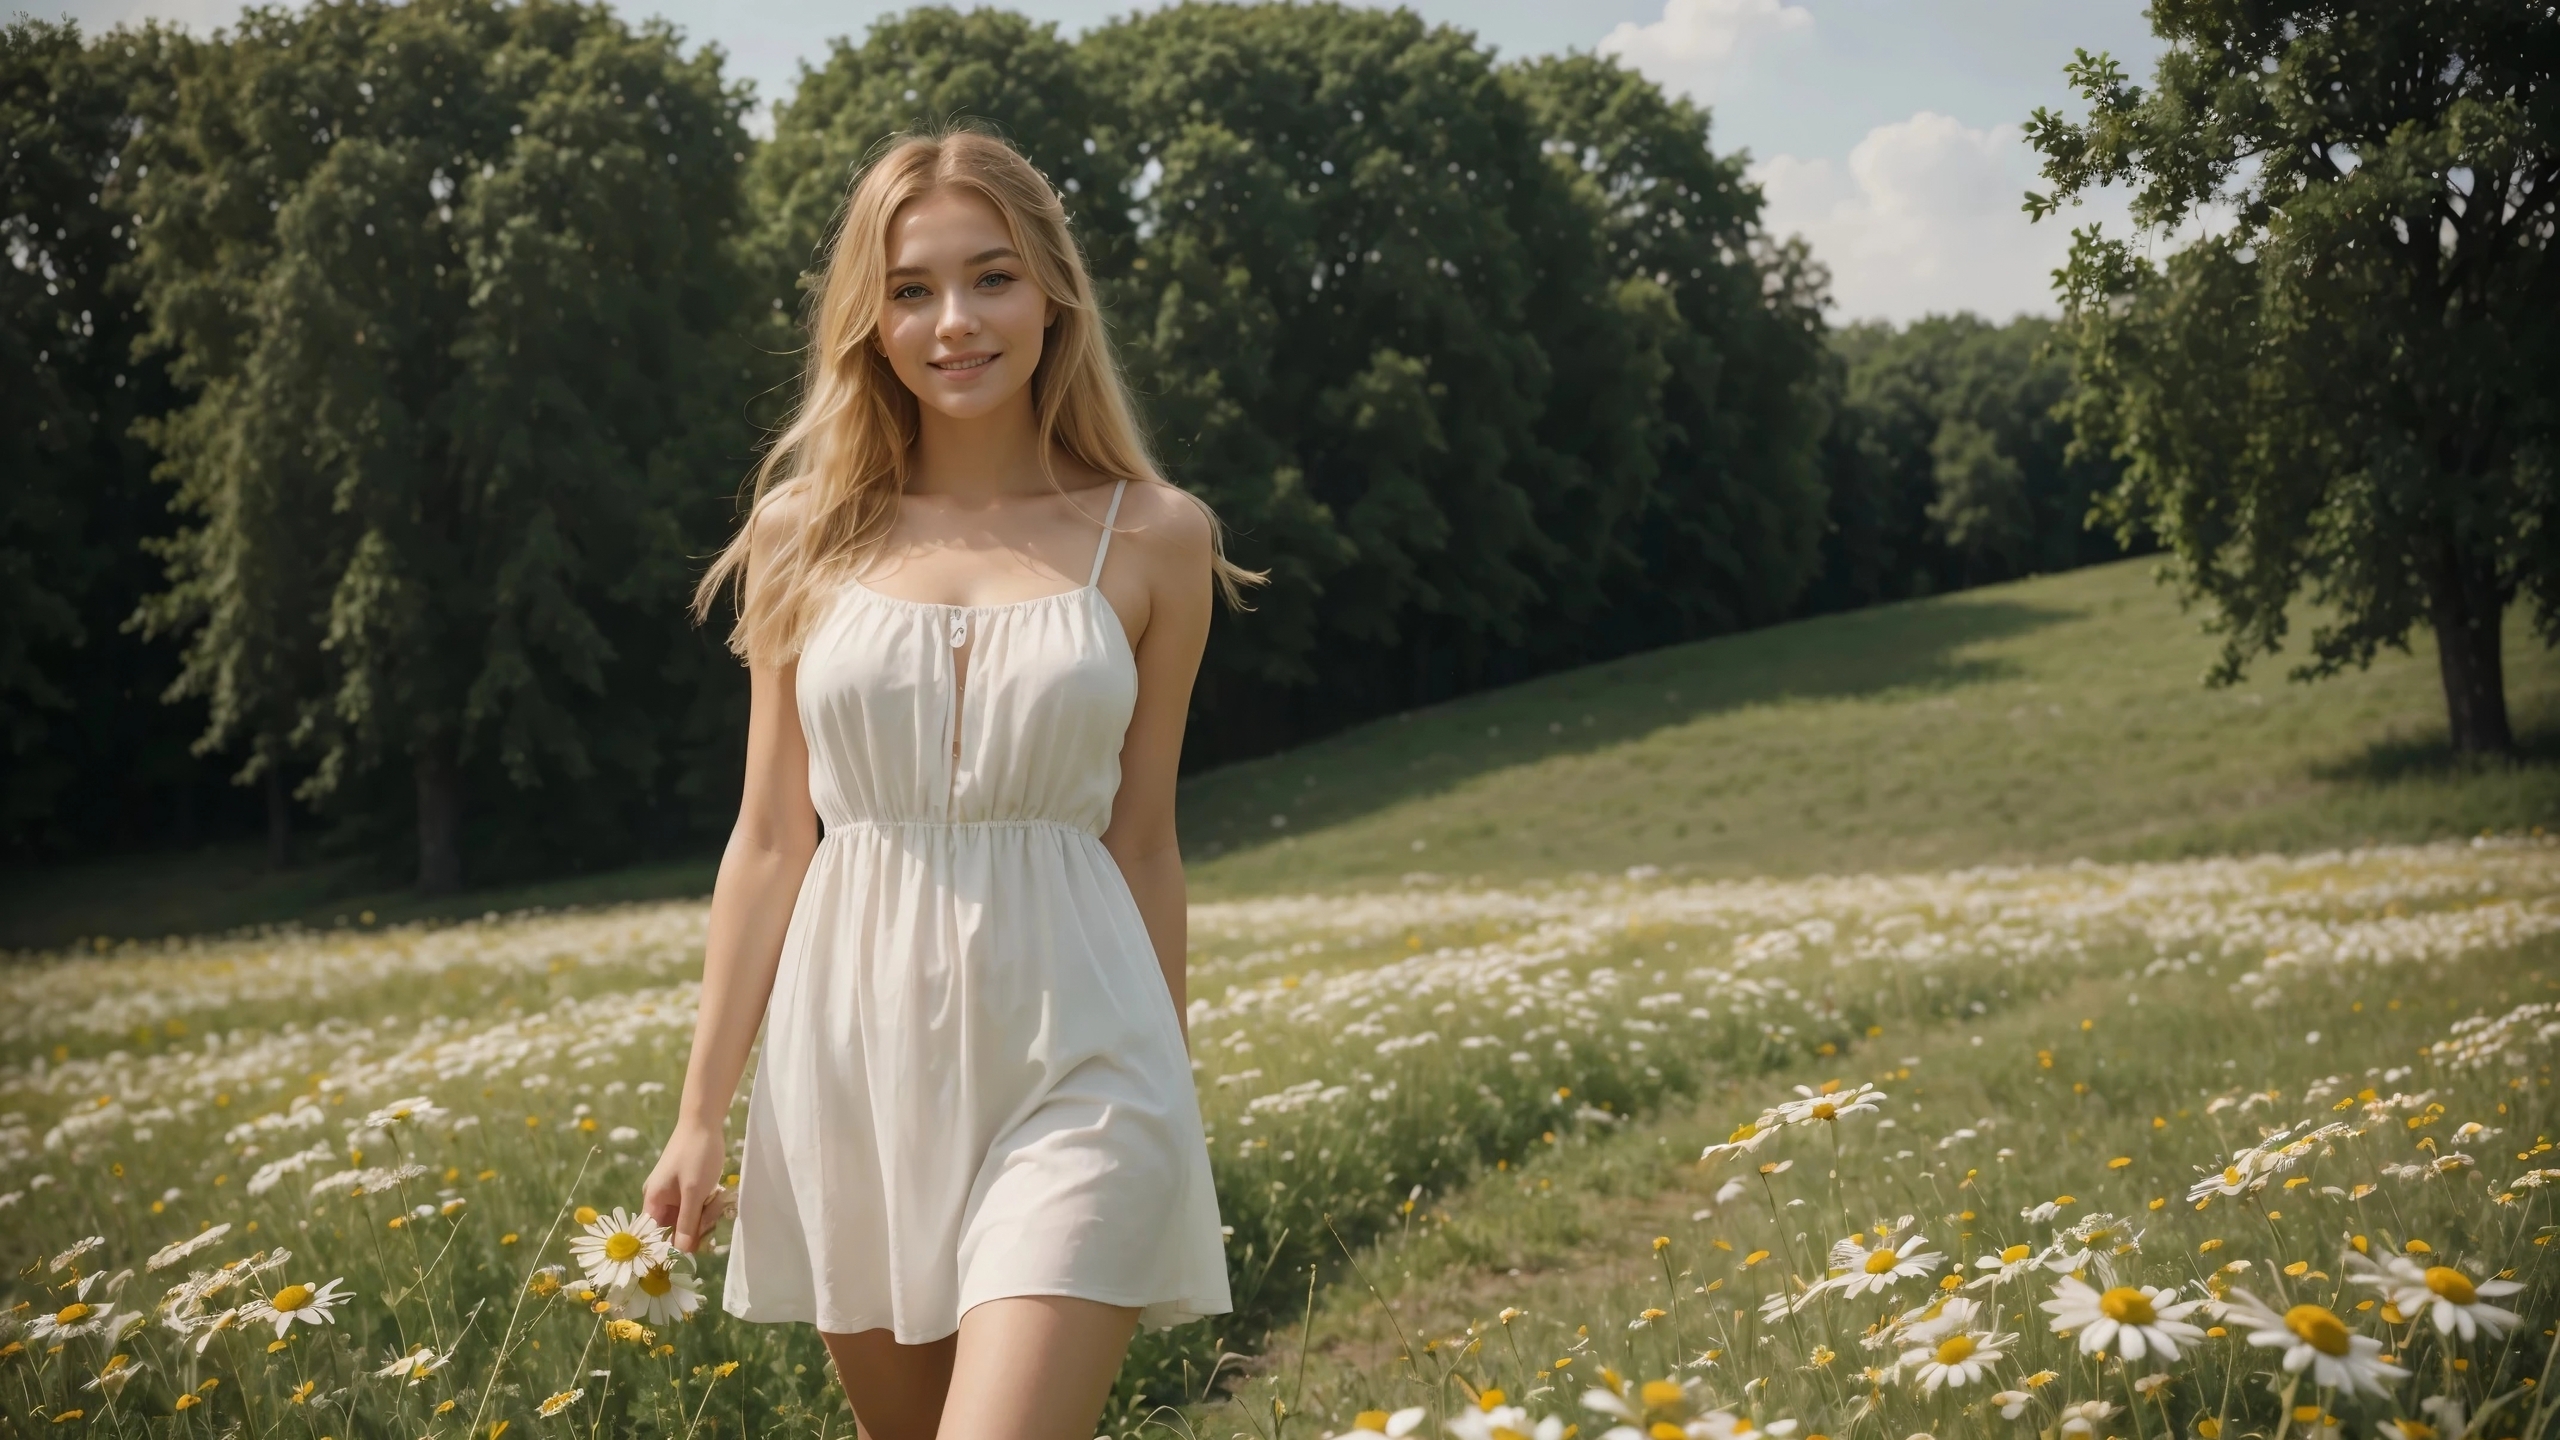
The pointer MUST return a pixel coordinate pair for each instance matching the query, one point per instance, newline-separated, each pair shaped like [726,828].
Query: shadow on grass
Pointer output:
[221,888]
[2428,755]
[1917,646]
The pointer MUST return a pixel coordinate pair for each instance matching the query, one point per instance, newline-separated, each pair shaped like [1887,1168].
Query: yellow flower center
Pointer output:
[2452,1284]
[1662,1394]
[70,1314]
[2013,1254]
[291,1298]
[621,1245]
[1882,1261]
[1371,1420]
[2230,1174]
[657,1281]
[1487,1399]
[1825,1110]
[1955,1349]
[584,1214]
[1742,1132]
[2320,1329]
[1665,1430]
[2127,1306]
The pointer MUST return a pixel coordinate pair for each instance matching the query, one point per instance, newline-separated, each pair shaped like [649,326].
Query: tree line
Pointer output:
[380,375]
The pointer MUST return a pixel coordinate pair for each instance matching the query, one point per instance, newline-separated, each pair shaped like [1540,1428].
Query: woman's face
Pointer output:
[962,323]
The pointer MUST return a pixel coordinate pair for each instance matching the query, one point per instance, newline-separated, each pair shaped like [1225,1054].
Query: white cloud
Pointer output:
[1925,216]
[1696,41]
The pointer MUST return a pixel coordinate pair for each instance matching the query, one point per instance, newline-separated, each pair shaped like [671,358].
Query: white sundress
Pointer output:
[973,1082]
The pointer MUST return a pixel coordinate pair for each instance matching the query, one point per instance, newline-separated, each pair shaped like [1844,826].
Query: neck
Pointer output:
[981,457]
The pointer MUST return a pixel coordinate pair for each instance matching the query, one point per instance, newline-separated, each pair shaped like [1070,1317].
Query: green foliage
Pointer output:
[451,285]
[1947,461]
[2352,387]
[1448,343]
[87,750]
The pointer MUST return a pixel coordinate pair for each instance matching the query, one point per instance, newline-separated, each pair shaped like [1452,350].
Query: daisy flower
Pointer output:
[415,1366]
[2084,1418]
[1748,1136]
[2133,1321]
[1725,1425]
[297,1302]
[177,1250]
[1898,1256]
[416,1110]
[1379,1425]
[617,1248]
[2004,1267]
[1812,1104]
[2012,1403]
[1656,1402]
[2459,1302]
[2448,1415]
[562,1401]
[1958,1360]
[1493,1420]
[2313,1337]
[660,1294]
[69,1323]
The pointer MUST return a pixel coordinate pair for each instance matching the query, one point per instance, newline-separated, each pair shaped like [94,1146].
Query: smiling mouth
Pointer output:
[974,362]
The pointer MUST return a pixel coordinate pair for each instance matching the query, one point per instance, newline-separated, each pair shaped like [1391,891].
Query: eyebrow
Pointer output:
[1001,252]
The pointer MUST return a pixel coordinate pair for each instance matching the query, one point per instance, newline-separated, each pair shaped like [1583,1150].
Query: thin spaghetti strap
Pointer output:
[1104,548]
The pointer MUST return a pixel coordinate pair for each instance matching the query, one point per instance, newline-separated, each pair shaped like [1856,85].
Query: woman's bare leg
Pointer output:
[896,1389]
[1035,1367]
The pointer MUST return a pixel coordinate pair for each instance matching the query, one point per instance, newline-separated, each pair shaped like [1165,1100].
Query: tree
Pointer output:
[1949,461]
[2351,391]
[91,760]
[449,282]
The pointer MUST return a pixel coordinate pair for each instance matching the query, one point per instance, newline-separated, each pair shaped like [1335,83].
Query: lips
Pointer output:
[963,364]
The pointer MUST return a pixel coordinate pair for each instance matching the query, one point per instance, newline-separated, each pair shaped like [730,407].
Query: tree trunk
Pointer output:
[279,820]
[2465,606]
[439,775]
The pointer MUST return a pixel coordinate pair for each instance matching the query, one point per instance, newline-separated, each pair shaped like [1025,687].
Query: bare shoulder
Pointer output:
[779,519]
[1165,524]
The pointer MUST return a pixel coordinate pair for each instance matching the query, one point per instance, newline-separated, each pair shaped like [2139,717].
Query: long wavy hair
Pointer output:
[830,482]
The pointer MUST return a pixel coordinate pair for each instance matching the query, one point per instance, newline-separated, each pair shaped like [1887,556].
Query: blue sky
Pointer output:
[1884,131]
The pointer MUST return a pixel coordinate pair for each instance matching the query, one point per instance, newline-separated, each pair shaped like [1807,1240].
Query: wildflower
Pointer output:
[415,1366]
[1958,1360]
[630,1330]
[2315,1338]
[1898,1256]
[417,1109]
[113,1375]
[2457,1301]
[2448,1413]
[1750,1135]
[296,1302]
[617,1248]
[2133,1321]
[660,1294]
[2004,1267]
[1493,1420]
[2012,1403]
[69,1323]
[1813,1105]
[177,1250]
[70,1257]
[2150,1385]
[1379,1425]
[562,1401]
[2084,1418]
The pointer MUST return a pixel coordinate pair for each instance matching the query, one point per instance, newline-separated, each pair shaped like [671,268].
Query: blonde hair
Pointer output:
[825,495]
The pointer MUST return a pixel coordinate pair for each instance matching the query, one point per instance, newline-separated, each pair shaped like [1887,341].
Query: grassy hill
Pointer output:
[2050,719]
[2045,720]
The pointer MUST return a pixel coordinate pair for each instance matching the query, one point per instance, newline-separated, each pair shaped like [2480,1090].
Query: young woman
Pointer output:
[953,900]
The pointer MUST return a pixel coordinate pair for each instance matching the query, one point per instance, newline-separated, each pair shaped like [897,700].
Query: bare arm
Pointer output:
[1171,582]
[751,904]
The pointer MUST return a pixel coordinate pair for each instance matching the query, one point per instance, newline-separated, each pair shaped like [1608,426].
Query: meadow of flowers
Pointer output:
[379,1181]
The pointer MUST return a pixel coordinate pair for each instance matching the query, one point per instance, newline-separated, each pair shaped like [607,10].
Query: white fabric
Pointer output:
[973,1082]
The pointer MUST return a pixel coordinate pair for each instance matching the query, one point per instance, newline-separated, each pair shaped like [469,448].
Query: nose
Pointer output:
[956,319]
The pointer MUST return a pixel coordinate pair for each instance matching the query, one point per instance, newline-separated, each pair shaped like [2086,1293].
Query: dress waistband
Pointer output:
[834,828]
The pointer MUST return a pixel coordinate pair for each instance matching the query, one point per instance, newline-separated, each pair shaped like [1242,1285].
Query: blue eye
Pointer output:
[906,292]
[998,276]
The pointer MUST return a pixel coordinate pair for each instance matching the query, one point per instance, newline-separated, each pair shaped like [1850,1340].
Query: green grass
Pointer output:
[2046,720]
